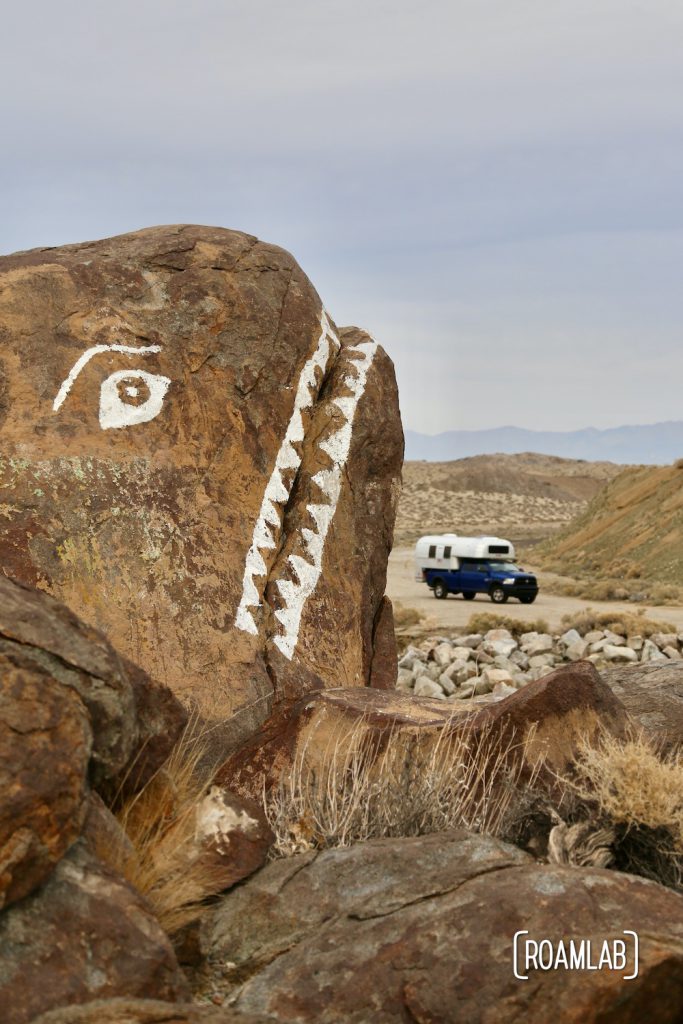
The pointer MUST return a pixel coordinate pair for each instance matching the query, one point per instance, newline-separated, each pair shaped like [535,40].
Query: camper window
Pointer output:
[447,552]
[432,550]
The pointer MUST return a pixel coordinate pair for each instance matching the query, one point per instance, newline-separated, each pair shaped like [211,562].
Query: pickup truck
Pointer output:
[500,580]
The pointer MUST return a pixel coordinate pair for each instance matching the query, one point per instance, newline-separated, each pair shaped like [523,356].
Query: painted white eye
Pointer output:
[131,396]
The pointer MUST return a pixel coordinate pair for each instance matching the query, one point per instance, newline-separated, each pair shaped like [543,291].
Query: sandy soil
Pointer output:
[402,587]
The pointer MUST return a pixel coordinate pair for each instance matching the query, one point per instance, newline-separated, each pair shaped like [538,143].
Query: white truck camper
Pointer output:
[444,551]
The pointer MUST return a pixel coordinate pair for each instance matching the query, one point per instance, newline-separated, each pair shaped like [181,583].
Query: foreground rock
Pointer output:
[144,1011]
[45,747]
[198,454]
[374,938]
[134,720]
[653,696]
[84,934]
[543,722]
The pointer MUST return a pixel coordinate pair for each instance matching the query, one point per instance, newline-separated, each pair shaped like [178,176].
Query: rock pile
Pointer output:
[496,663]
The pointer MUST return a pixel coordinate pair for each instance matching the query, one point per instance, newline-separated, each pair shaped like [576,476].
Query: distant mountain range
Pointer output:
[653,444]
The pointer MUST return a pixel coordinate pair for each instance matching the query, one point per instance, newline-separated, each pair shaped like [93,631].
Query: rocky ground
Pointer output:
[497,663]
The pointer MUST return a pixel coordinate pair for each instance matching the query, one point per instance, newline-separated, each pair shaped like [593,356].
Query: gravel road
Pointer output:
[455,612]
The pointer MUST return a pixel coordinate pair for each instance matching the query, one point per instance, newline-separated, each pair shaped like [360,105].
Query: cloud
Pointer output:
[489,185]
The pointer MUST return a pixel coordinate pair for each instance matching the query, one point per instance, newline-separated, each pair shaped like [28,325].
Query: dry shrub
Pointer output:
[624,623]
[406,617]
[482,622]
[629,787]
[410,787]
[158,855]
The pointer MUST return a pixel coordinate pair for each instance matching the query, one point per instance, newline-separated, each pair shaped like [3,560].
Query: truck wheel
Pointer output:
[469,595]
[528,600]
[440,590]
[498,595]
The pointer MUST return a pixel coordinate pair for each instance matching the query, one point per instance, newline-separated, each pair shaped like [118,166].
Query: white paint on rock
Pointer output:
[83,361]
[215,819]
[295,593]
[269,520]
[116,413]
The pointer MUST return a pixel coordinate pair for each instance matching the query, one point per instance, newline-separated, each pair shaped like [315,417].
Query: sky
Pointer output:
[492,188]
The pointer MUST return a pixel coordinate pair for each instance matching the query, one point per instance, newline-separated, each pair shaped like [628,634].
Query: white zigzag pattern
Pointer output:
[337,446]
[277,492]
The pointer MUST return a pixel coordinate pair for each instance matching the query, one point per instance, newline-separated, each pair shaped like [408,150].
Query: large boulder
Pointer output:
[423,929]
[144,1011]
[45,747]
[653,696]
[134,720]
[85,934]
[199,464]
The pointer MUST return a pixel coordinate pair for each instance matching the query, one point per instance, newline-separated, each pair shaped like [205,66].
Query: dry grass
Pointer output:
[615,590]
[629,789]
[624,623]
[159,854]
[404,618]
[482,622]
[412,786]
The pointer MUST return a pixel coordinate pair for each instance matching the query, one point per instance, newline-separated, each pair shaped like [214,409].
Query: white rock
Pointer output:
[520,659]
[461,653]
[614,639]
[663,640]
[576,650]
[496,675]
[651,652]
[499,647]
[405,680]
[538,673]
[572,636]
[494,635]
[471,640]
[543,644]
[673,654]
[443,655]
[464,692]
[542,661]
[527,638]
[614,653]
[461,671]
[502,690]
[635,643]
[447,684]
[593,636]
[425,687]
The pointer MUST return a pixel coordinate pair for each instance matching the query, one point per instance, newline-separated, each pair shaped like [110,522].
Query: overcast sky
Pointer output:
[491,187]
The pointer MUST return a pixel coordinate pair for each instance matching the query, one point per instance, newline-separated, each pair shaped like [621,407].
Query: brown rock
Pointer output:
[84,934]
[384,667]
[232,836]
[45,746]
[145,1011]
[653,695]
[422,929]
[214,486]
[134,720]
[551,715]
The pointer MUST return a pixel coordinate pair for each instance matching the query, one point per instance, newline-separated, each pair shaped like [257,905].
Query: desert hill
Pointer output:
[526,496]
[632,528]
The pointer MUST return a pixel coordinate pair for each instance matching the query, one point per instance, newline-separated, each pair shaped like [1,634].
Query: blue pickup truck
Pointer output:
[450,564]
[500,580]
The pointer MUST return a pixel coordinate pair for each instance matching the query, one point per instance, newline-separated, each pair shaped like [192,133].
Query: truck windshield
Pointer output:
[505,566]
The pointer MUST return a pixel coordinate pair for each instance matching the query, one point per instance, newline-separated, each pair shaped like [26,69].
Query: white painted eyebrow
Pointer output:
[85,359]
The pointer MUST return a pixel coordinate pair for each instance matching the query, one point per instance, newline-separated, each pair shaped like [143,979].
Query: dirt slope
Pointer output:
[525,496]
[632,528]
